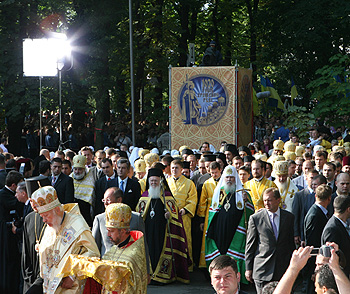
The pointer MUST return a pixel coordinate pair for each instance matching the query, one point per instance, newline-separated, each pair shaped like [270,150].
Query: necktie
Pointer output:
[122,186]
[109,179]
[274,227]
[347,229]
[53,180]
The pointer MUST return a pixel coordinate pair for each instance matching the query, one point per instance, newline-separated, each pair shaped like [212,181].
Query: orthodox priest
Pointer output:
[285,186]
[33,229]
[123,267]
[169,258]
[229,212]
[66,233]
[185,194]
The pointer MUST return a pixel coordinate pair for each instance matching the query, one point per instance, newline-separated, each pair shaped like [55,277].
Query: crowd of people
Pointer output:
[120,218]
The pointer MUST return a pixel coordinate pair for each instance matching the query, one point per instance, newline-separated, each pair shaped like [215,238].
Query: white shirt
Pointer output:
[324,210]
[125,181]
[277,218]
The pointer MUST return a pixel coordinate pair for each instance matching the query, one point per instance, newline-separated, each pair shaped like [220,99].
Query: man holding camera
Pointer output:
[10,210]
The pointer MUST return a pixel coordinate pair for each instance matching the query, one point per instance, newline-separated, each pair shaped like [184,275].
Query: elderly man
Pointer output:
[224,275]
[161,214]
[66,233]
[229,212]
[284,184]
[84,185]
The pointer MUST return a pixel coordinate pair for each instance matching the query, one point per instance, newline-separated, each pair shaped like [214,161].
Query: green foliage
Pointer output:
[280,38]
[332,97]
[299,119]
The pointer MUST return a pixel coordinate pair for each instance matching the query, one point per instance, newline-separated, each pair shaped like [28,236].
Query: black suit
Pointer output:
[100,188]
[9,251]
[298,209]
[335,231]
[314,223]
[36,163]
[64,187]
[267,257]
[3,175]
[132,193]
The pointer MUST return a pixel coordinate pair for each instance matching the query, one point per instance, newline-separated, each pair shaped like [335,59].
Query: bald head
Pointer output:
[343,184]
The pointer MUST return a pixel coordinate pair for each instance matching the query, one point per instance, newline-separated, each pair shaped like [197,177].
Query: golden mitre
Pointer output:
[143,152]
[118,216]
[280,168]
[140,166]
[299,151]
[183,147]
[278,145]
[79,161]
[44,199]
[261,156]
[289,147]
[150,158]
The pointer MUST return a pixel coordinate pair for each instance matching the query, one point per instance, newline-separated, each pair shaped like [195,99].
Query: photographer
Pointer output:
[10,209]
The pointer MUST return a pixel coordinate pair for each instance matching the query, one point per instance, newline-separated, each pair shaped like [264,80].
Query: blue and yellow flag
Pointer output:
[256,109]
[293,92]
[263,83]
[274,100]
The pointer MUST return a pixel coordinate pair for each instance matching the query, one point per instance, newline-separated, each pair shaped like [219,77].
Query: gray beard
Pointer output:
[229,188]
[154,193]
[282,186]
[78,177]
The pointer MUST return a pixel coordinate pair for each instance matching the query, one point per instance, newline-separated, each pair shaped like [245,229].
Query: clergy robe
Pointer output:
[73,237]
[33,229]
[257,190]
[287,196]
[227,228]
[203,211]
[158,239]
[185,193]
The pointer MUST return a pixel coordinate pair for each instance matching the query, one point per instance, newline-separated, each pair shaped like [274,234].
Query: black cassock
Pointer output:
[30,258]
[155,230]
[224,224]
[9,251]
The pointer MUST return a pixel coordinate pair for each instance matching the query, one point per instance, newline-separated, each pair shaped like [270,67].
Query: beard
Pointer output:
[282,186]
[79,177]
[154,192]
[229,188]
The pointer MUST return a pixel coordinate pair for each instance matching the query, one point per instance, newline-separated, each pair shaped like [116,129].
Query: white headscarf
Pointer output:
[212,148]
[134,155]
[228,171]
